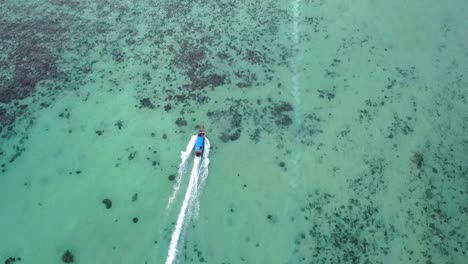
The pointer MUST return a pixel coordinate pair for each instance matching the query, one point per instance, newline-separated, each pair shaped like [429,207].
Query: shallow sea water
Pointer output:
[338,130]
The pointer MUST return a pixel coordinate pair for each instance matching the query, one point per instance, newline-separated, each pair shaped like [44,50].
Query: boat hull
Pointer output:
[200,143]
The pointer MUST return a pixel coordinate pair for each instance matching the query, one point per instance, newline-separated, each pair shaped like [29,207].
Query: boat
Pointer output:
[200,143]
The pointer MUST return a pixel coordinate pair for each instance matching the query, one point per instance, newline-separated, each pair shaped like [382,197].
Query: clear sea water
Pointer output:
[338,131]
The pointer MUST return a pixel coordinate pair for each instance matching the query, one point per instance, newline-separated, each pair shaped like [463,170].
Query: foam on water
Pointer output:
[184,155]
[190,205]
[172,253]
[201,179]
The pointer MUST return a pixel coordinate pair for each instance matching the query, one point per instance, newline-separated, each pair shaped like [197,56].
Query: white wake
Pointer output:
[184,155]
[190,200]
[201,179]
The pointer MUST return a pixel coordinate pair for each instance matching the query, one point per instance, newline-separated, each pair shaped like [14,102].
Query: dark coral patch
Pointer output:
[255,137]
[6,118]
[280,108]
[67,3]
[192,59]
[212,80]
[68,257]
[34,59]
[247,78]
[12,260]
[272,219]
[230,136]
[132,155]
[171,177]
[417,159]
[339,228]
[233,118]
[118,55]
[326,94]
[283,120]
[280,113]
[107,202]
[181,122]
[119,124]
[146,103]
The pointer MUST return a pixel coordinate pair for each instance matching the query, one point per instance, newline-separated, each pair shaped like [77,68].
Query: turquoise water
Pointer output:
[338,131]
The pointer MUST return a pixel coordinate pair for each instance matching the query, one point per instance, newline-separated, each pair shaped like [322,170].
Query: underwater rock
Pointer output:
[283,120]
[134,197]
[118,55]
[212,80]
[272,219]
[280,108]
[181,121]
[231,115]
[5,119]
[119,124]
[225,137]
[146,102]
[67,3]
[247,78]
[171,177]
[131,155]
[34,58]
[279,112]
[326,94]
[282,164]
[107,202]
[255,137]
[99,132]
[68,257]
[135,220]
[12,260]
[338,228]
[417,159]
[65,114]
[16,155]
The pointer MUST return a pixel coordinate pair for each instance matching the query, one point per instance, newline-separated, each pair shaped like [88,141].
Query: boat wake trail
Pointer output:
[184,155]
[191,198]
[201,179]
[296,92]
[295,31]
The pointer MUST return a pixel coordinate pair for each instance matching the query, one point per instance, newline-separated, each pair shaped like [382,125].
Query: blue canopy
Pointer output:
[199,143]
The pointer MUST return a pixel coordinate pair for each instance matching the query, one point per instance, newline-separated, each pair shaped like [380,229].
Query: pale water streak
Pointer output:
[296,93]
